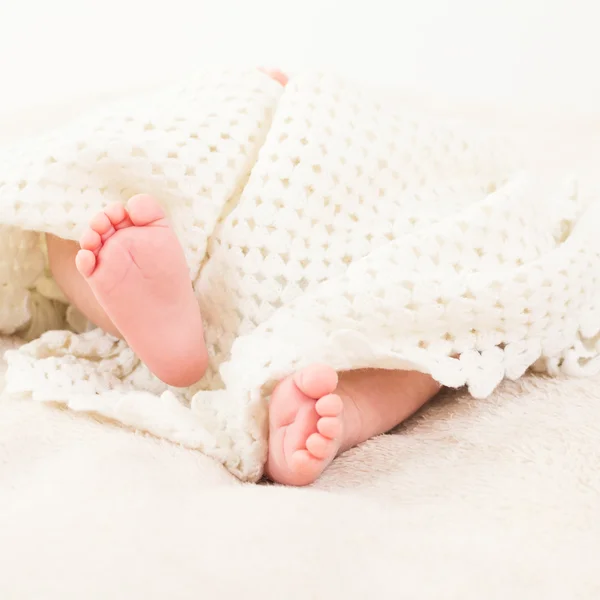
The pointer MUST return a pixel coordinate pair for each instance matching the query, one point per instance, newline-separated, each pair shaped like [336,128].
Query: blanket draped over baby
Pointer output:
[322,222]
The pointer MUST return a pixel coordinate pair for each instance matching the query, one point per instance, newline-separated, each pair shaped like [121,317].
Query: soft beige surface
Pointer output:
[474,499]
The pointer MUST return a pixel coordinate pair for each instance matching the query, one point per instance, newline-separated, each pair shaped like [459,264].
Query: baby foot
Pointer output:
[136,268]
[313,417]
[306,426]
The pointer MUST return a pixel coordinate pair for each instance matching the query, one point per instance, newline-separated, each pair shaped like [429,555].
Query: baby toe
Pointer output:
[144,210]
[116,214]
[305,466]
[330,427]
[319,446]
[276,75]
[90,240]
[329,406]
[85,261]
[316,381]
[101,224]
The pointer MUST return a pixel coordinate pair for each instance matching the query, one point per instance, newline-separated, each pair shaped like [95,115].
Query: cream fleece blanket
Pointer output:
[323,223]
[494,498]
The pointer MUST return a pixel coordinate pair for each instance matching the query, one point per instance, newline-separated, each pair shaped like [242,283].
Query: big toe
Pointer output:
[316,381]
[144,210]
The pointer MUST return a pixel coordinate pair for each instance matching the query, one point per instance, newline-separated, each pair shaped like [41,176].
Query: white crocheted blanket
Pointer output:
[321,223]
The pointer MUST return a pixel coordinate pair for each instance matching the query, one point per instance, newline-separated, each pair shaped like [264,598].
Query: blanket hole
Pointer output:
[138,153]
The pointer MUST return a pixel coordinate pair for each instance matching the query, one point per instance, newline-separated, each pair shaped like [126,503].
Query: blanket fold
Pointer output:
[321,223]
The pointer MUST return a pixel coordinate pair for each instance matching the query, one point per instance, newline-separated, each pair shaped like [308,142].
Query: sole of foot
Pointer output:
[134,264]
[306,426]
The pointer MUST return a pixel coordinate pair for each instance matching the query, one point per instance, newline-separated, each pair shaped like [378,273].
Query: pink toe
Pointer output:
[85,262]
[90,240]
[330,427]
[306,467]
[277,75]
[144,209]
[316,381]
[101,224]
[116,214]
[319,446]
[329,406]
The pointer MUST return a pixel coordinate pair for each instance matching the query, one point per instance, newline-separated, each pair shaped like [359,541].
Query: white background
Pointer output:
[541,53]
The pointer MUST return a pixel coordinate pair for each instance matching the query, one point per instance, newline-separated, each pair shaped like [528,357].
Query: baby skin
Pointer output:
[128,275]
